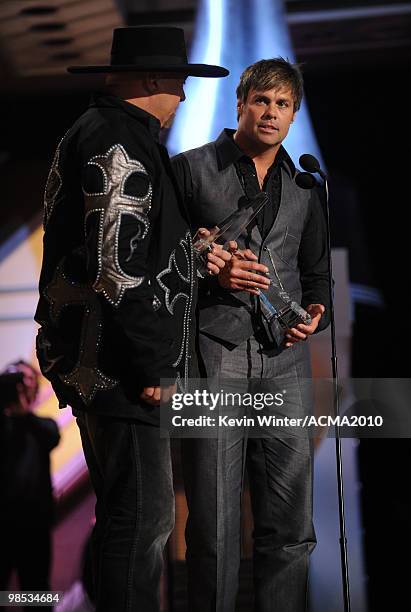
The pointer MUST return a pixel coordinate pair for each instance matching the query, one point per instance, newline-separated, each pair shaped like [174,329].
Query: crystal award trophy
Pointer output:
[282,312]
[278,320]
[229,229]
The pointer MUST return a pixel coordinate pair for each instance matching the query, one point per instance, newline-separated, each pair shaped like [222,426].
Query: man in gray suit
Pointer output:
[288,243]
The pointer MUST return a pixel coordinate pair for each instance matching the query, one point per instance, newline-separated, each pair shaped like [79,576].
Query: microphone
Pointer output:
[311,164]
[305,180]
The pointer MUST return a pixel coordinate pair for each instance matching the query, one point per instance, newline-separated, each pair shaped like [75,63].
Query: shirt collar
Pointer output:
[228,152]
[110,101]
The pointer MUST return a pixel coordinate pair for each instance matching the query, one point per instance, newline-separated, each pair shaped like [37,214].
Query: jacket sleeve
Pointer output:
[120,182]
[184,183]
[313,263]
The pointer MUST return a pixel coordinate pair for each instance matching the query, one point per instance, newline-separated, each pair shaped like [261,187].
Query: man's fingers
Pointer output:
[248,254]
[249,265]
[250,284]
[245,254]
[308,329]
[218,251]
[250,288]
[246,278]
[151,395]
[290,340]
[295,334]
[201,234]
[244,275]
[218,259]
[213,269]
[315,309]
[168,392]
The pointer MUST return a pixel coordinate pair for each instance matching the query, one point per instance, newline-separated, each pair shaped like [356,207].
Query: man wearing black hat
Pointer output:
[117,294]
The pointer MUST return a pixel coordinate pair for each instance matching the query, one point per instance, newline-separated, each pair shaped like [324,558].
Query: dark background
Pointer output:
[356,65]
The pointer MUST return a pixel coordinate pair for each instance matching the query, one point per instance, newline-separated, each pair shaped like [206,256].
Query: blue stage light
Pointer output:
[234,34]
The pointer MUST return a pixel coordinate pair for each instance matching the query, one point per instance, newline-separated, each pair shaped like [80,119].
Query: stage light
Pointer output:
[193,122]
[234,35]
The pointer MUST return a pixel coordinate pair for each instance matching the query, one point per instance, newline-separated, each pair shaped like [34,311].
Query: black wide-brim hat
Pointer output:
[150,49]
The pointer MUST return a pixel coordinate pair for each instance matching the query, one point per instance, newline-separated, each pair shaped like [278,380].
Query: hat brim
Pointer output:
[200,70]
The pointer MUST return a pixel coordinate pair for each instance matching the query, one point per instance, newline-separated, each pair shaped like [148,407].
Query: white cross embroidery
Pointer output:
[111,204]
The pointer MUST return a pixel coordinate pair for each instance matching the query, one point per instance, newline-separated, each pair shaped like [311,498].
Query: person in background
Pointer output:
[26,500]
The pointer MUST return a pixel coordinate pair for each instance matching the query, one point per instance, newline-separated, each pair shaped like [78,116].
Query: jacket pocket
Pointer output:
[289,248]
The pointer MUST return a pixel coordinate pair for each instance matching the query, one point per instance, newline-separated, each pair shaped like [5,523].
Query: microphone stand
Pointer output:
[338,452]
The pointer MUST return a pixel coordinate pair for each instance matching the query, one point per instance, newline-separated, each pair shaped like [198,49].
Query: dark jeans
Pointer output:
[130,469]
[280,475]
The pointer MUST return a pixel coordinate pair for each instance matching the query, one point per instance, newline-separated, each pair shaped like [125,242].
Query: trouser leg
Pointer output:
[213,475]
[200,480]
[96,478]
[213,479]
[281,488]
[280,466]
[280,476]
[130,467]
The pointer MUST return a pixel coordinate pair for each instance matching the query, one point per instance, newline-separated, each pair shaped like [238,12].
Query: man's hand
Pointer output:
[155,395]
[301,331]
[217,258]
[243,272]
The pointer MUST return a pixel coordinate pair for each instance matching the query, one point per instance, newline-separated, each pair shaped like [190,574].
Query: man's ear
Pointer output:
[151,84]
[240,107]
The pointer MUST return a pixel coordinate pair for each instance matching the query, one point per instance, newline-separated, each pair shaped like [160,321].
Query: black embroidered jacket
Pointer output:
[117,285]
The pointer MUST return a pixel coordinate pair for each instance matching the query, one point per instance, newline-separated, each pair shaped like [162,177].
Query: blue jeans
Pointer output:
[280,476]
[130,469]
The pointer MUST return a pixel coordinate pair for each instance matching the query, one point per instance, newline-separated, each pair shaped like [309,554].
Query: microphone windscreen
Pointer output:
[309,163]
[305,180]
